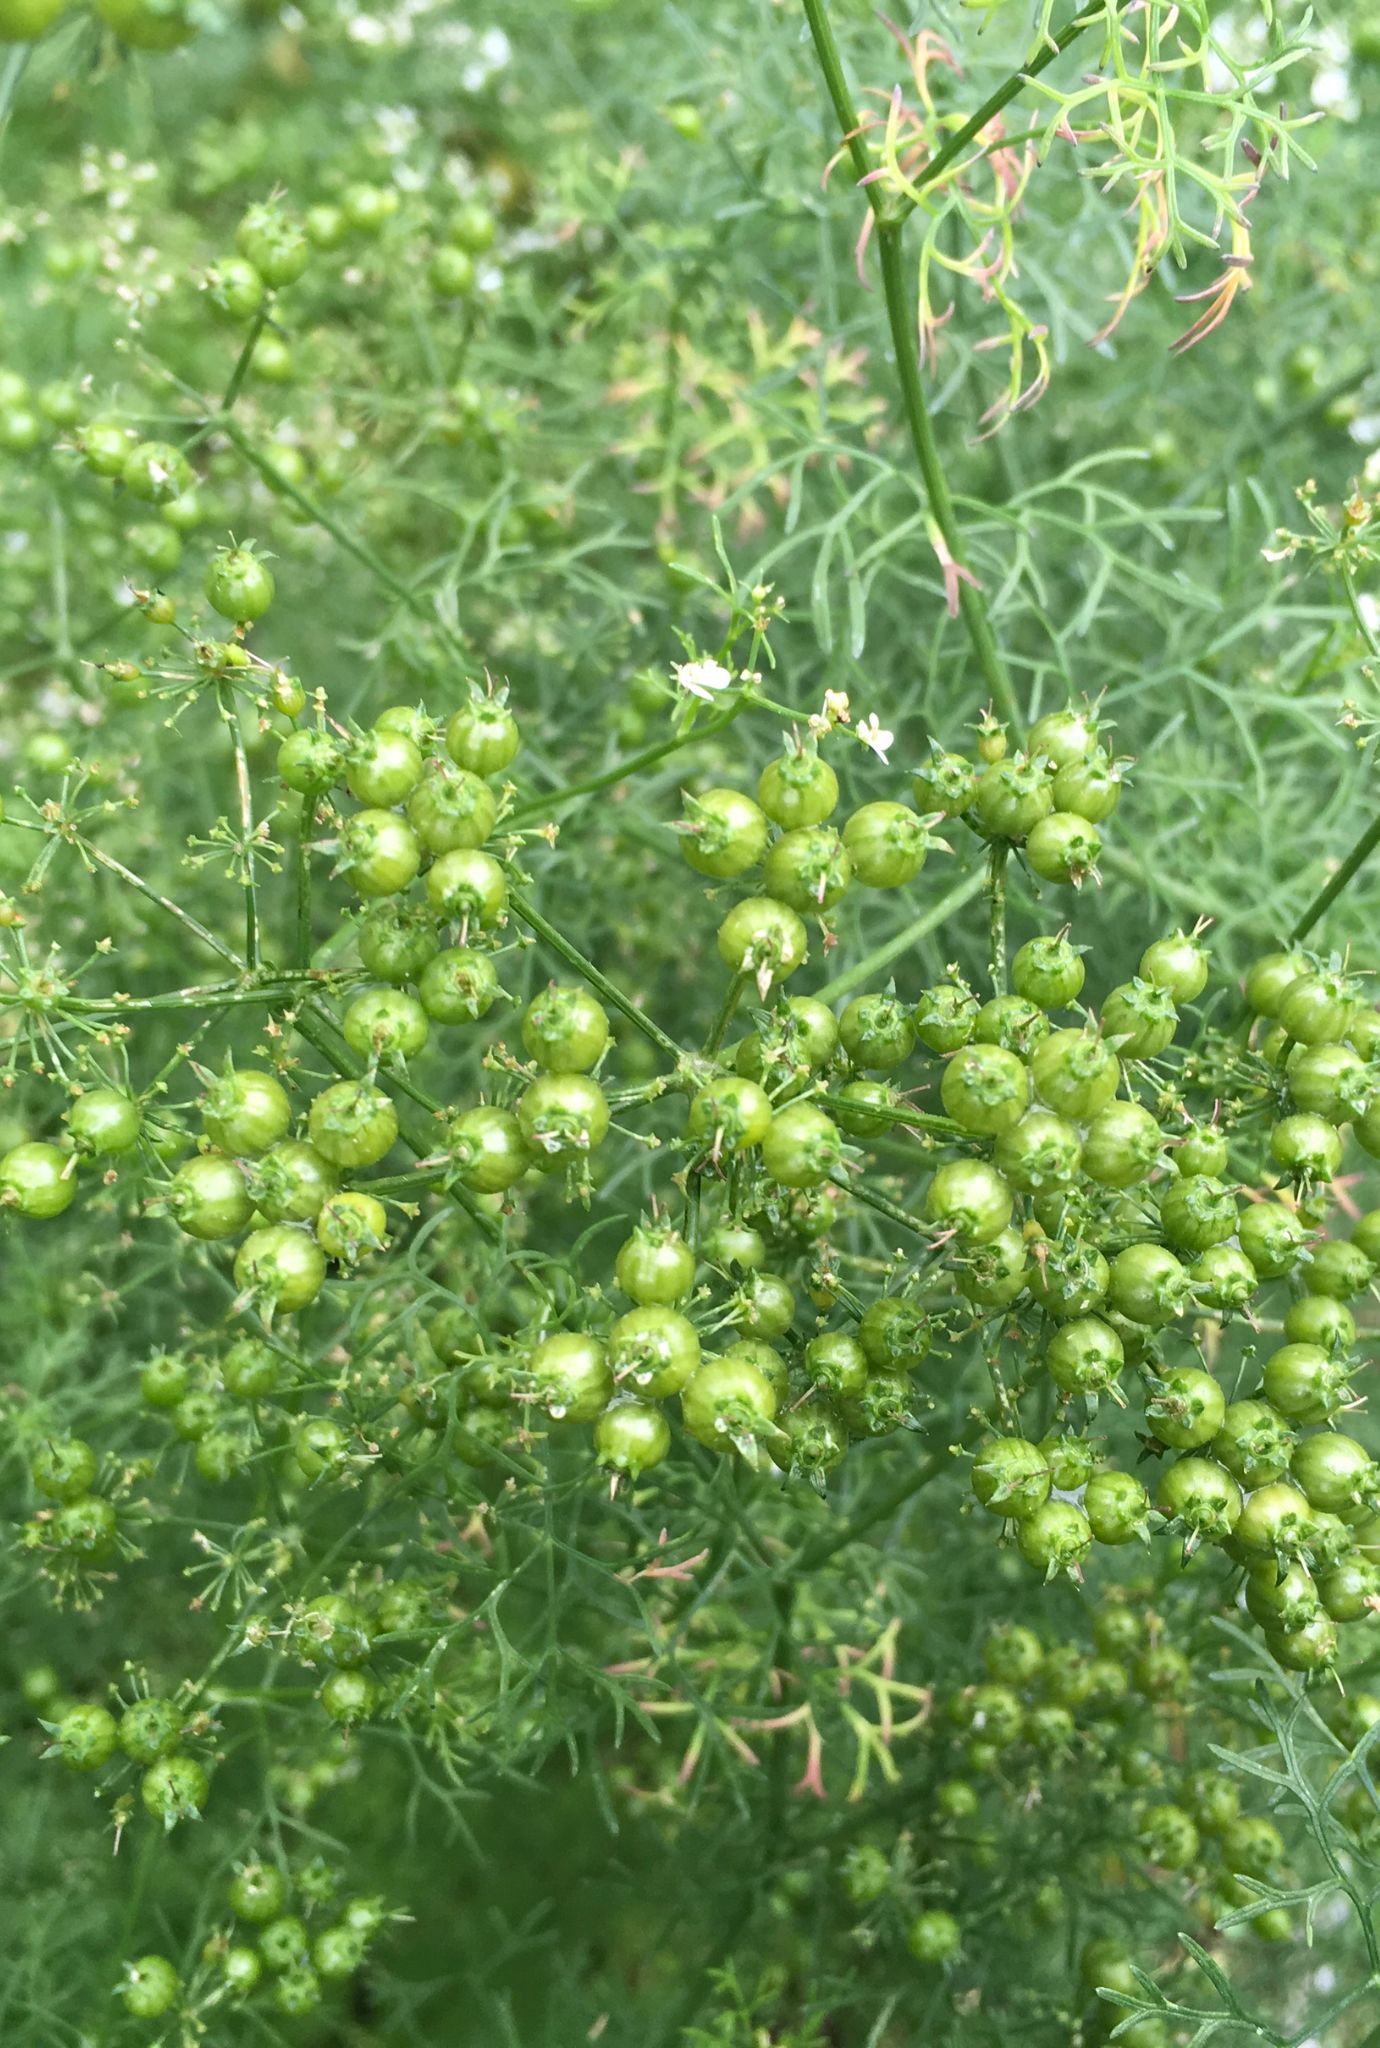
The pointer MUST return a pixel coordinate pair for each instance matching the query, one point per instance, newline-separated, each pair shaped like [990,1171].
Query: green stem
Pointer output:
[1359,619]
[417,1133]
[732,997]
[224,995]
[784,1662]
[996,884]
[316,511]
[184,917]
[902,1117]
[694,1192]
[425,343]
[882,1206]
[302,873]
[931,172]
[400,1186]
[469,327]
[246,357]
[539,807]
[972,605]
[836,85]
[905,344]
[905,940]
[1359,854]
[1184,897]
[245,793]
[586,968]
[670,396]
[1316,2028]
[882,1506]
[99,631]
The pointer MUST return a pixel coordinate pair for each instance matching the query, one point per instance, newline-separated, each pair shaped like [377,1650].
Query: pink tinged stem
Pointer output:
[954,573]
[812,1777]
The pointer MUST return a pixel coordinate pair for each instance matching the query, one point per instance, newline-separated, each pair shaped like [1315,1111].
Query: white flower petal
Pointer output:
[701,678]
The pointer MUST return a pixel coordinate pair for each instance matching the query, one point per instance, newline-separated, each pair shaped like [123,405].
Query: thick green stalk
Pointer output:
[1331,890]
[971,603]
[836,85]
[905,343]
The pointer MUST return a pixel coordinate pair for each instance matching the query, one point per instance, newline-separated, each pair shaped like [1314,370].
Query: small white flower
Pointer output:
[701,678]
[873,734]
[835,707]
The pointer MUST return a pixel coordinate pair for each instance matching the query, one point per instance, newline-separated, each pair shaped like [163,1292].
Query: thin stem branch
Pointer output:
[399,1186]
[246,357]
[1010,89]
[104,626]
[1359,619]
[733,995]
[245,794]
[586,968]
[301,861]
[905,940]
[15,62]
[883,1207]
[315,510]
[417,1134]
[903,1118]
[882,1506]
[269,992]
[539,807]
[57,528]
[1317,2026]
[996,887]
[175,910]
